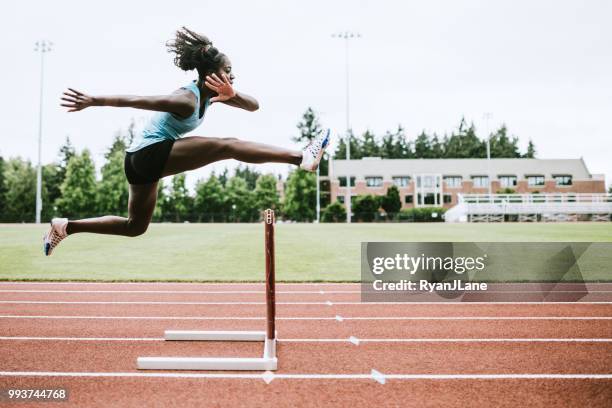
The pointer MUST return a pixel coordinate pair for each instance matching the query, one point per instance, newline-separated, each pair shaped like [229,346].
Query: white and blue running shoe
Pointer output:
[57,232]
[312,154]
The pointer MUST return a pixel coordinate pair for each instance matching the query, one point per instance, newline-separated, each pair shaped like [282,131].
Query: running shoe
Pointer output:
[312,154]
[54,236]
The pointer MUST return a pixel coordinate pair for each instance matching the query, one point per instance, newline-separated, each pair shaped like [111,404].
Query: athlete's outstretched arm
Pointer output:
[179,103]
[227,94]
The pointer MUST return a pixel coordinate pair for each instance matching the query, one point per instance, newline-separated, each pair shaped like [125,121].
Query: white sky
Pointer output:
[542,67]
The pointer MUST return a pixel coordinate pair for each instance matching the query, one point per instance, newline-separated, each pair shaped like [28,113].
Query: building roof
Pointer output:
[466,168]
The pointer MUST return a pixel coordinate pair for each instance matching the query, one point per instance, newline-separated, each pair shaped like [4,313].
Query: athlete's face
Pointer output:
[226,68]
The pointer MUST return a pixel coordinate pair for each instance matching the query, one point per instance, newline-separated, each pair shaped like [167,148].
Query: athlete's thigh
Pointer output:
[190,153]
[141,203]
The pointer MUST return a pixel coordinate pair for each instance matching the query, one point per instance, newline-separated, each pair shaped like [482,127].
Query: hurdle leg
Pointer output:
[267,362]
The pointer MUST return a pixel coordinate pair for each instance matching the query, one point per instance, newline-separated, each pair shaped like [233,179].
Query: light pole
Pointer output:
[346,36]
[43,47]
[488,116]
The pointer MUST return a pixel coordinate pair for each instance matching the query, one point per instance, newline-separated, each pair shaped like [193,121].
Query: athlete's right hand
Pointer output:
[76,100]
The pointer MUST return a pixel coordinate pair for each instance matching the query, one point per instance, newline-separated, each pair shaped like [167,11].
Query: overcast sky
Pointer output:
[541,67]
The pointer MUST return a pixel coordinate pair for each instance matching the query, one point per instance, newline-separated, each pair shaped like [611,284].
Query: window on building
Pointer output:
[507,181]
[480,181]
[535,180]
[453,181]
[374,181]
[342,181]
[448,198]
[340,199]
[563,180]
[430,199]
[401,181]
[427,181]
[409,199]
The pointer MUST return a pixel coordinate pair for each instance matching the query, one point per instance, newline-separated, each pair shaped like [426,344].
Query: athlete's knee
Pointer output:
[136,227]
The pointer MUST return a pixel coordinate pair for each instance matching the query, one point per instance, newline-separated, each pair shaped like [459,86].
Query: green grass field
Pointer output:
[234,252]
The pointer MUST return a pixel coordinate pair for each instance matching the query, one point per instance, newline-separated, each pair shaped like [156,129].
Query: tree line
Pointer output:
[461,143]
[71,188]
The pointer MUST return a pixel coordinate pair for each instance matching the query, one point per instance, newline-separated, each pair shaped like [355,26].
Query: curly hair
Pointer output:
[194,51]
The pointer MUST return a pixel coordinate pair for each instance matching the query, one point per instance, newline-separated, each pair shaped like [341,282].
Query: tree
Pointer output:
[502,145]
[309,127]
[240,201]
[334,212]
[249,175]
[20,194]
[300,196]
[369,145]
[2,188]
[266,194]
[366,207]
[464,143]
[179,203]
[531,151]
[210,200]
[223,177]
[391,201]
[162,202]
[113,191]
[79,187]
[52,183]
[66,152]
[422,146]
[340,153]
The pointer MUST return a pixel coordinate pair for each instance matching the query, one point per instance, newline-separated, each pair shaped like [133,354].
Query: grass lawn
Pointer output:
[234,252]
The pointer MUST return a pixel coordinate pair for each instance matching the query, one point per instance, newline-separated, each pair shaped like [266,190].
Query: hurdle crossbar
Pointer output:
[267,362]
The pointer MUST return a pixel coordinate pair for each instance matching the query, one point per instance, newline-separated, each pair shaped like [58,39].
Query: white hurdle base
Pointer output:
[265,363]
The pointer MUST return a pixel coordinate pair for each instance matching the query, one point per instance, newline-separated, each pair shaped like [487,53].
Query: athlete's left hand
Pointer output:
[222,87]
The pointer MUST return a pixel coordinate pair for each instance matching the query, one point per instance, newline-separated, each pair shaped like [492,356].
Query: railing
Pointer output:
[547,206]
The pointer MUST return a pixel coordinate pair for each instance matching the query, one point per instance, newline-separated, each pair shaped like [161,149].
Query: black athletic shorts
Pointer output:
[146,165]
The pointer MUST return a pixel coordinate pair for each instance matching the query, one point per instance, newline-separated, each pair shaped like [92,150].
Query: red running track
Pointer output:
[86,338]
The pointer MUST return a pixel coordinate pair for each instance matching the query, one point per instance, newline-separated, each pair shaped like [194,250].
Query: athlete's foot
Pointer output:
[54,236]
[312,154]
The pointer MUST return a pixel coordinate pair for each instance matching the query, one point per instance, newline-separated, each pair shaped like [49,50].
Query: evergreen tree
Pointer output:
[391,202]
[223,177]
[52,183]
[2,189]
[179,202]
[162,202]
[266,195]
[437,147]
[422,146]
[249,175]
[340,153]
[78,198]
[113,189]
[531,151]
[502,145]
[309,127]
[369,145]
[240,201]
[210,200]
[66,152]
[300,196]
[20,193]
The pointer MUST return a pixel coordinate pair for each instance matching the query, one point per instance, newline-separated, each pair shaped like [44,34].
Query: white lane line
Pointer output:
[312,376]
[180,292]
[317,284]
[337,318]
[352,339]
[327,303]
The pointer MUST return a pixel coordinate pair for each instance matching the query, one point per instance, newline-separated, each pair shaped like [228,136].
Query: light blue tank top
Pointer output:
[166,126]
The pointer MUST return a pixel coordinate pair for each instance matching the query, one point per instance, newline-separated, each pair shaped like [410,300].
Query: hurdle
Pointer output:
[269,360]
